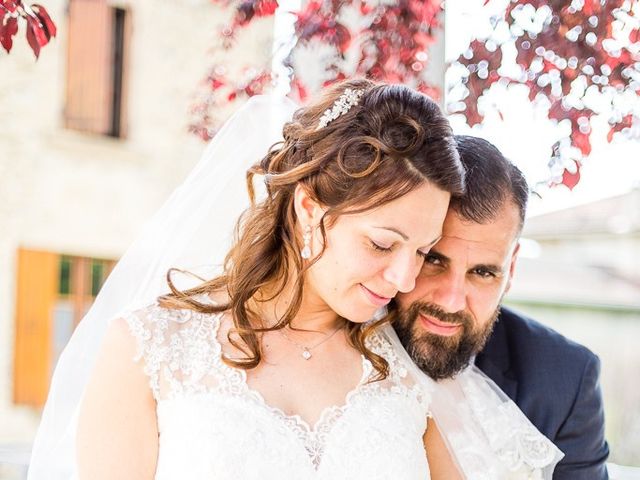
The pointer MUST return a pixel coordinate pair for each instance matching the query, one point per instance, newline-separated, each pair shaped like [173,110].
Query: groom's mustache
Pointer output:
[433,310]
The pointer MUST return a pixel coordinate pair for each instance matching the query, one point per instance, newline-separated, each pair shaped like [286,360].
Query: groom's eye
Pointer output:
[432,259]
[484,273]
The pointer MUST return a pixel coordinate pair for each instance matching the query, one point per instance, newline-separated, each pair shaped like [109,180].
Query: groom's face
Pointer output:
[449,315]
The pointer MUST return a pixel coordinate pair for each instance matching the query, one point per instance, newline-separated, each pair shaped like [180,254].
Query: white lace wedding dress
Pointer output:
[212,425]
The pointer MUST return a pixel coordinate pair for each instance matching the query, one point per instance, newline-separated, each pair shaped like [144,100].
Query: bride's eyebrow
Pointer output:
[405,237]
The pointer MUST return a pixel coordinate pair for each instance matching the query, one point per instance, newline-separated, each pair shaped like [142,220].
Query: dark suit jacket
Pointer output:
[554,381]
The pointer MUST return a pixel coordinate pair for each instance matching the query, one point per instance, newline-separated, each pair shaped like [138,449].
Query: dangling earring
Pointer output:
[306,237]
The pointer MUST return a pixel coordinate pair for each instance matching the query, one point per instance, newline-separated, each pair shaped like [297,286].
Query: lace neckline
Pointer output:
[312,435]
[326,414]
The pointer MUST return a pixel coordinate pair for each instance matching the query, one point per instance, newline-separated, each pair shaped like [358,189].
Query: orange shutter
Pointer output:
[89,66]
[37,289]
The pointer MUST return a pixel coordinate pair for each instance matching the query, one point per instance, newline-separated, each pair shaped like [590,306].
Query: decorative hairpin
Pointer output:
[341,106]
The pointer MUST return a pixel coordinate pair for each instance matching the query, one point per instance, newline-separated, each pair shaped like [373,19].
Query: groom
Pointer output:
[454,311]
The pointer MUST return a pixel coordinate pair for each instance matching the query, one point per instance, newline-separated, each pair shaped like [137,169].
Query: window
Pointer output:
[96,60]
[53,294]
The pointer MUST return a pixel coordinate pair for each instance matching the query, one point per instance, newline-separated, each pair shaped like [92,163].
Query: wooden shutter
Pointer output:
[89,66]
[37,289]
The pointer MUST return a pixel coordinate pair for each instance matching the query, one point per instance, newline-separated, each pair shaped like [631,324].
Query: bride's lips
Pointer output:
[374,298]
[438,327]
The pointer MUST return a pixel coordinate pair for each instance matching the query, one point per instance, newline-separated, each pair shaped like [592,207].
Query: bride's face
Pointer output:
[371,256]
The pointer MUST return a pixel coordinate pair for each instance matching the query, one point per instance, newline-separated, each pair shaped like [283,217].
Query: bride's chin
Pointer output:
[361,315]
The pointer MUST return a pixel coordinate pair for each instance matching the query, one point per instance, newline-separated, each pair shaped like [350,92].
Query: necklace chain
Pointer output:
[306,351]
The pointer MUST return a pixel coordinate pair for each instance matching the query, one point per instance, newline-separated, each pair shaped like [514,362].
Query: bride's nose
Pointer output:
[402,272]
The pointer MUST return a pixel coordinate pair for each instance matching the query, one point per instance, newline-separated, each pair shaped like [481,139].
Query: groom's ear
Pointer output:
[308,211]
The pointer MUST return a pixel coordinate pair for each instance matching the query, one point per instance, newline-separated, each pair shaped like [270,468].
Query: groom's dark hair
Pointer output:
[490,180]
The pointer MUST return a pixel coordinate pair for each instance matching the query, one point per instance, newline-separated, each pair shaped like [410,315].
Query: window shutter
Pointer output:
[89,66]
[37,289]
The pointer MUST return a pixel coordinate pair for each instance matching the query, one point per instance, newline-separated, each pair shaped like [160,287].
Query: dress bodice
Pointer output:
[213,425]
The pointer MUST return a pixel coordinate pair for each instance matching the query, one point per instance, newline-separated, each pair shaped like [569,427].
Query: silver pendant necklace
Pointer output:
[306,351]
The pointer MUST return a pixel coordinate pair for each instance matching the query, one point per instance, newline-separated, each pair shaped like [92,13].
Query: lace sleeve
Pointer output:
[150,331]
[176,347]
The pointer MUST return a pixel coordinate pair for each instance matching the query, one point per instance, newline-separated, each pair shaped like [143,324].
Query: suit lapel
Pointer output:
[494,361]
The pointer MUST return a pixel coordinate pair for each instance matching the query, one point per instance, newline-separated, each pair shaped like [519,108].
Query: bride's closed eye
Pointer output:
[379,246]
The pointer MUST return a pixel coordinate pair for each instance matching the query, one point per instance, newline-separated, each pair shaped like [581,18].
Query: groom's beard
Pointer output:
[440,356]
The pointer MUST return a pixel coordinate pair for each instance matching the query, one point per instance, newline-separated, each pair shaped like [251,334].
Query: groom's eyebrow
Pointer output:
[406,237]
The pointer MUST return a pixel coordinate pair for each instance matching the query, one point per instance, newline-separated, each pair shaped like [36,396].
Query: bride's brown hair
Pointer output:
[393,140]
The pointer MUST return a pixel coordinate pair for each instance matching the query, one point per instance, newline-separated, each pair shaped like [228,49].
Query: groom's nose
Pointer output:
[448,292]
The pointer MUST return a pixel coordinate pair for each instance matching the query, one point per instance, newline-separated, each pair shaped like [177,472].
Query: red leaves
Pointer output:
[393,43]
[249,9]
[624,123]
[340,36]
[316,21]
[299,89]
[8,29]
[264,8]
[471,112]
[582,141]
[482,65]
[39,26]
[204,122]
[426,12]
[591,7]
[10,5]
[481,52]
[394,47]
[36,35]
[571,179]
[221,90]
[580,135]
[45,19]
[216,83]
[568,58]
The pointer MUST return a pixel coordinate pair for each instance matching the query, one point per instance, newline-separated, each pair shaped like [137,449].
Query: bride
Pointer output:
[281,366]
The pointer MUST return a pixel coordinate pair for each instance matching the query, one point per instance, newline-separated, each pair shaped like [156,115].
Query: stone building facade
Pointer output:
[78,178]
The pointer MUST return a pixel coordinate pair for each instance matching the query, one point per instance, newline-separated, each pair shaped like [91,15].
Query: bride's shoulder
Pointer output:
[163,337]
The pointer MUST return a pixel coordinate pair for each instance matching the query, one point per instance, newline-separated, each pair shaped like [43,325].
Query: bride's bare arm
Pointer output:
[117,427]
[441,464]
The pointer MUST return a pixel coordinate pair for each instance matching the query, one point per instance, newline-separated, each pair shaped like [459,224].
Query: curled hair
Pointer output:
[391,142]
